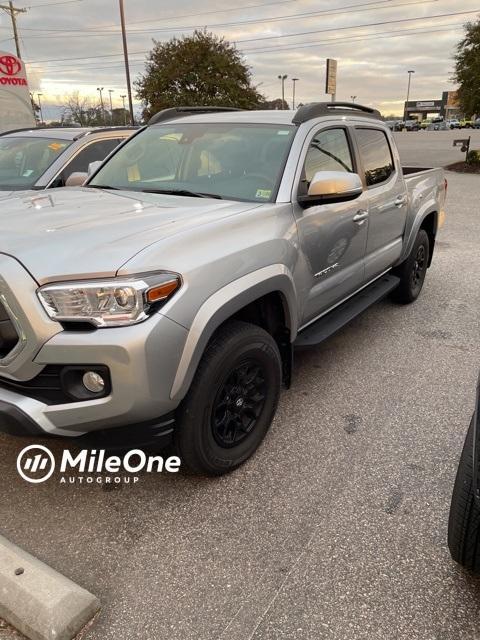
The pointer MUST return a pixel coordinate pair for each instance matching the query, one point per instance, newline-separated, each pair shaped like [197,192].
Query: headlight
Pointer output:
[108,303]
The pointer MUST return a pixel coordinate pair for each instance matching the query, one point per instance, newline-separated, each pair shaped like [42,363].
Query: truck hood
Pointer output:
[7,194]
[69,233]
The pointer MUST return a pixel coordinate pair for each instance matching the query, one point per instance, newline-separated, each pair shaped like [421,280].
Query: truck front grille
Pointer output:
[8,335]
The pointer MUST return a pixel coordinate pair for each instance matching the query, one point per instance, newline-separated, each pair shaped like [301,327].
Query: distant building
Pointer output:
[447,107]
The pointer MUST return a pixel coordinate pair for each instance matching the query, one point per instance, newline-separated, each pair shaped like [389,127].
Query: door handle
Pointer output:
[401,201]
[361,216]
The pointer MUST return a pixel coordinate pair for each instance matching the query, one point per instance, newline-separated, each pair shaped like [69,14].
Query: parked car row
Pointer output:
[433,124]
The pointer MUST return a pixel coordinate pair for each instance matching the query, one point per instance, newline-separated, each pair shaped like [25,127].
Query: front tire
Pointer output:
[412,272]
[464,520]
[232,400]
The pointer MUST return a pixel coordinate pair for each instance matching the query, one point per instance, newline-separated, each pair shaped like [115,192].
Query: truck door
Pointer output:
[332,242]
[387,196]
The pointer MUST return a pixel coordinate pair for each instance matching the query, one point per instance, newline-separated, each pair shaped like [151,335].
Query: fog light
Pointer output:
[93,382]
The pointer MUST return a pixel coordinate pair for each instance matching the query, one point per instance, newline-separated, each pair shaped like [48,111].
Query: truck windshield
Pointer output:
[23,160]
[223,160]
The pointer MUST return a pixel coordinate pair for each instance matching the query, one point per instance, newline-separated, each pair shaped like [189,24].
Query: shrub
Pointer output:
[473,157]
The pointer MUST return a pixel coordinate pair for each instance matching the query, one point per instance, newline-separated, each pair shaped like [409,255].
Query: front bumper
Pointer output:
[142,361]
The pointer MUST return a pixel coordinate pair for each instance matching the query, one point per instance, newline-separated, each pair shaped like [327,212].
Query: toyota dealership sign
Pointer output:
[15,105]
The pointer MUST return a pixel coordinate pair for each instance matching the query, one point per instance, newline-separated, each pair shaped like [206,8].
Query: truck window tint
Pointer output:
[98,150]
[328,151]
[376,155]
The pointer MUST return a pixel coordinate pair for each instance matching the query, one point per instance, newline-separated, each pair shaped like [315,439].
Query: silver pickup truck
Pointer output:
[163,300]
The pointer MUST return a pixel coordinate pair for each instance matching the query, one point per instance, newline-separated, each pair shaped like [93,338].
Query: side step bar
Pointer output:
[344,313]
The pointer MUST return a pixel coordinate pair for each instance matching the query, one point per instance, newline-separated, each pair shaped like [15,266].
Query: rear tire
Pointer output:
[232,400]
[412,272]
[464,520]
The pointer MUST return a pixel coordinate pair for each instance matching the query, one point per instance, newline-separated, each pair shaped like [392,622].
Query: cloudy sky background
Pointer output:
[75,45]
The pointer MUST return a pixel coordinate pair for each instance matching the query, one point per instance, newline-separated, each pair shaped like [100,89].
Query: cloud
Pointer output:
[76,44]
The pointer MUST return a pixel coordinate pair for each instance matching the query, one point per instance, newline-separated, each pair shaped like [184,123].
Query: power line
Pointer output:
[329,42]
[178,17]
[291,35]
[239,23]
[358,26]
[334,41]
[51,4]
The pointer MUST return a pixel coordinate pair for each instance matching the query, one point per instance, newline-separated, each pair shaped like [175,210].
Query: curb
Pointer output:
[37,600]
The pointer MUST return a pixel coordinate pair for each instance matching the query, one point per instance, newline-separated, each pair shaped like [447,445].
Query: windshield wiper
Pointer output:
[183,192]
[102,186]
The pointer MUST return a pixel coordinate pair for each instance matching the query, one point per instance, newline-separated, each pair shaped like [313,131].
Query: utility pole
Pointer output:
[294,80]
[12,12]
[100,89]
[127,67]
[124,110]
[405,113]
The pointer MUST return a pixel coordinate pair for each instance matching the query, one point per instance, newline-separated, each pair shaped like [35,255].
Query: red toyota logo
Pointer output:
[10,66]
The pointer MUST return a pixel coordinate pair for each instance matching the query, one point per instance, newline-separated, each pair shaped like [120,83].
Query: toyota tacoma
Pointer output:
[162,301]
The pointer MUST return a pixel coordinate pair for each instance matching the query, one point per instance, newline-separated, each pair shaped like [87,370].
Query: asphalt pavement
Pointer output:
[336,529]
[434,148]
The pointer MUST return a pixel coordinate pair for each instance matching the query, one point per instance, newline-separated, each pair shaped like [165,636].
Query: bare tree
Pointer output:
[82,110]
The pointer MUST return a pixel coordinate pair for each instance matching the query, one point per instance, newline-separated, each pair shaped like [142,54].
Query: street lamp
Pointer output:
[100,89]
[39,95]
[294,80]
[408,97]
[283,78]
[353,98]
[110,91]
[124,110]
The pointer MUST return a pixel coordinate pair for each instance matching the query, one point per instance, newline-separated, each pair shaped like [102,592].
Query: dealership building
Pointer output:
[447,107]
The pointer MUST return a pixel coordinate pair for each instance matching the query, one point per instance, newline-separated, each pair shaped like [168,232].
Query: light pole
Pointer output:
[353,98]
[124,110]
[283,78]
[408,97]
[294,80]
[110,91]
[39,95]
[100,89]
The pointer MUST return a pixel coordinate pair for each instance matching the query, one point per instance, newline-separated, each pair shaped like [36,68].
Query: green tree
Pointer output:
[197,70]
[467,69]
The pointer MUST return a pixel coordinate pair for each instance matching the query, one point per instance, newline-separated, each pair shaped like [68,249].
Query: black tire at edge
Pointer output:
[464,520]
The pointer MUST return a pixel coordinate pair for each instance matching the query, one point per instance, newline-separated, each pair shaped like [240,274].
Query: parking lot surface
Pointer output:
[434,148]
[336,529]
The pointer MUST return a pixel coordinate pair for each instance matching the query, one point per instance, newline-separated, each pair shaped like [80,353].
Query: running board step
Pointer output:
[344,313]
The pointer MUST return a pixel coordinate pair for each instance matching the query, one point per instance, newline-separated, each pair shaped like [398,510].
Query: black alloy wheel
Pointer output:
[419,269]
[238,404]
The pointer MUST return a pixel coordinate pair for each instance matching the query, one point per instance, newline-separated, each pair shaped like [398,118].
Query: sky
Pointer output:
[75,45]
